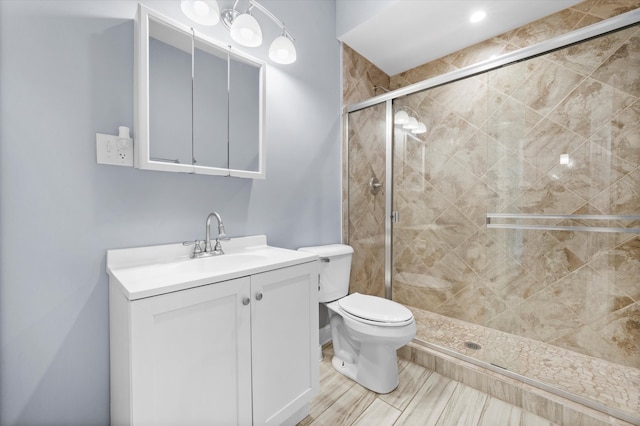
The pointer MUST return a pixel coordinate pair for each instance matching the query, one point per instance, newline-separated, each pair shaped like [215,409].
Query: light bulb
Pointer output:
[282,50]
[401,117]
[246,31]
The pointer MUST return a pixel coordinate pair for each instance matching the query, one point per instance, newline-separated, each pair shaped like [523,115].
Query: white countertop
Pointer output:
[150,271]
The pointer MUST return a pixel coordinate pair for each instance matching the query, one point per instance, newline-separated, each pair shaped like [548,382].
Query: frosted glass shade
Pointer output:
[282,50]
[411,124]
[401,117]
[205,12]
[422,128]
[246,31]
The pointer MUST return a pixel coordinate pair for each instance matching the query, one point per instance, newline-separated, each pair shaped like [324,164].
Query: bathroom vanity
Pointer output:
[229,339]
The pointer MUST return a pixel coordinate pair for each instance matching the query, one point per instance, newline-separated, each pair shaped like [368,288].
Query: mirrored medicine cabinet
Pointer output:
[199,105]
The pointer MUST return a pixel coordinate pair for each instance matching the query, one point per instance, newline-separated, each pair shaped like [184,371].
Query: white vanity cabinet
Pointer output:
[240,351]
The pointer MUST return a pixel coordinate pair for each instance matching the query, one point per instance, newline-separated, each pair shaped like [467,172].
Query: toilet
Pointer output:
[366,330]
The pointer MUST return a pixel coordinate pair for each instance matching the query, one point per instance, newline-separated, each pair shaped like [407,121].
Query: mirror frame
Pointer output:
[142,159]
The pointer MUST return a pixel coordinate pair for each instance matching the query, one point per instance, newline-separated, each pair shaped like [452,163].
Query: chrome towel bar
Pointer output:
[491,216]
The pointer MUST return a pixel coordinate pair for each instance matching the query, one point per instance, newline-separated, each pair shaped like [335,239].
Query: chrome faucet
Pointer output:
[222,236]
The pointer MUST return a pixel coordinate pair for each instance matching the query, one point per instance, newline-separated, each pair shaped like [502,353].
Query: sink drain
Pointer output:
[472,345]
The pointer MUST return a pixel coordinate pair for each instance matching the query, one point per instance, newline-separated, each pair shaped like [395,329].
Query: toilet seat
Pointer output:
[375,310]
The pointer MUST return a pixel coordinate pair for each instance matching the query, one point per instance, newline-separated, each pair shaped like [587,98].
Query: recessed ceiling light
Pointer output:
[477,16]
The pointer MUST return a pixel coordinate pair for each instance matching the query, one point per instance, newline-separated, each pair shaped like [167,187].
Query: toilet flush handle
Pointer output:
[325,260]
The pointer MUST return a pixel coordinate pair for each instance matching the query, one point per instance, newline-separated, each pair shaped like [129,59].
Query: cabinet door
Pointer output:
[190,356]
[284,325]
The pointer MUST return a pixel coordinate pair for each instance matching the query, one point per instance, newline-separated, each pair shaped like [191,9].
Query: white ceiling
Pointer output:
[409,33]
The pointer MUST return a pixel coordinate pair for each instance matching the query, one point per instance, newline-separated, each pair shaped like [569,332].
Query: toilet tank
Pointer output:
[335,269]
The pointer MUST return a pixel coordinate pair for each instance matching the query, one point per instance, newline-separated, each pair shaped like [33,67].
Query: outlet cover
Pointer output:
[114,151]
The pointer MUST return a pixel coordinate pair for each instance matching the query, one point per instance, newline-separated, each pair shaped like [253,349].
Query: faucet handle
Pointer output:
[197,248]
[217,249]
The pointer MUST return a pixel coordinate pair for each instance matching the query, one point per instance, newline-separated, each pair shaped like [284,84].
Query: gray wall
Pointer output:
[66,72]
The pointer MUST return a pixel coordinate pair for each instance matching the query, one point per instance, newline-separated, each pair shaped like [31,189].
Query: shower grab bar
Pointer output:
[561,227]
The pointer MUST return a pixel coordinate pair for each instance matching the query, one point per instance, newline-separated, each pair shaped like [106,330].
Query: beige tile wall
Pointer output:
[498,143]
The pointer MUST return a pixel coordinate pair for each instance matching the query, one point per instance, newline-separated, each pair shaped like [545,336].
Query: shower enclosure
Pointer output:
[511,227]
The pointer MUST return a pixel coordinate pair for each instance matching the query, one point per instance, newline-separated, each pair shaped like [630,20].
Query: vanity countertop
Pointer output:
[150,271]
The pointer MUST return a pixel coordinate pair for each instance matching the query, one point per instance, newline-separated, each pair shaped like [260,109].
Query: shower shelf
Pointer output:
[491,216]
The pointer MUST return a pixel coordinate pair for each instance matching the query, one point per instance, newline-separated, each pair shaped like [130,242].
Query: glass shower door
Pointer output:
[366,151]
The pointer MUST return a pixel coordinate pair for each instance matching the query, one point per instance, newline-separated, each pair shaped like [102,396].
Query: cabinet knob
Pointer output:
[245,301]
[258,296]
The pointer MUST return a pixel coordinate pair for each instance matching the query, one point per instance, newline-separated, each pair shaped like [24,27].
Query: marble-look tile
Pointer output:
[547,86]
[623,137]
[420,73]
[549,196]
[549,260]
[454,227]
[472,154]
[553,25]
[511,121]
[620,267]
[606,9]
[548,316]
[475,251]
[586,21]
[359,77]
[623,197]
[592,167]
[509,322]
[508,79]
[622,330]
[546,142]
[512,282]
[479,52]
[586,57]
[622,69]
[429,403]
[588,295]
[590,106]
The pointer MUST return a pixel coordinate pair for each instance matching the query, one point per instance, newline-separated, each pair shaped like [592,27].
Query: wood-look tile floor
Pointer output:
[423,398]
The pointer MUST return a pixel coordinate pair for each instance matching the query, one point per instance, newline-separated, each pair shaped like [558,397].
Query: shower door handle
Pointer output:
[375,185]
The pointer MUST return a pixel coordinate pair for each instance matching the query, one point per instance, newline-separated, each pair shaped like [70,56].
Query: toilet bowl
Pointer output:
[366,330]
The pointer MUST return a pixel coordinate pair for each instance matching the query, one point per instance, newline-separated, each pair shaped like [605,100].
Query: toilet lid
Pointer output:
[375,308]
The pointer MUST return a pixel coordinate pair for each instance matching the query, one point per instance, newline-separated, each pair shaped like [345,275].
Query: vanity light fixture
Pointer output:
[245,30]
[243,27]
[205,12]
[406,118]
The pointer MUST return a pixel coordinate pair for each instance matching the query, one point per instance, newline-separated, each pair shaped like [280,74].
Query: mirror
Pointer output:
[199,105]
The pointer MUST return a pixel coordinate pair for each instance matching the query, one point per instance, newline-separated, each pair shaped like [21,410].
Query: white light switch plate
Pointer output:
[113,150]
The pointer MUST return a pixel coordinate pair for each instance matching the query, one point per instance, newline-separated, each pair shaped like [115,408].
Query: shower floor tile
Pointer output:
[612,385]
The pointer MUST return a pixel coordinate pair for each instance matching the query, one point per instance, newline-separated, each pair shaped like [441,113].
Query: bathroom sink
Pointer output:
[149,271]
